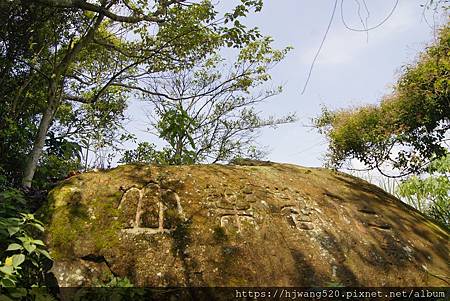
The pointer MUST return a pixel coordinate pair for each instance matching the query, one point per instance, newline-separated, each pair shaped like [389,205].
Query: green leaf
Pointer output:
[45,253]
[38,242]
[18,259]
[29,247]
[3,283]
[13,230]
[18,293]
[13,247]
[34,262]
[38,226]
[6,282]
[7,269]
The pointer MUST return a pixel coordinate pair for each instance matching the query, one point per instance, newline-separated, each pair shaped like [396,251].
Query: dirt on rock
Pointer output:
[239,225]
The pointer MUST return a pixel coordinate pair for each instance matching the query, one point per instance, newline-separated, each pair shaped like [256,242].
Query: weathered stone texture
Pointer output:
[258,225]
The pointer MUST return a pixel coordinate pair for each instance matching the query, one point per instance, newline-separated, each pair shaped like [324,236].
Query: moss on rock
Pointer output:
[259,225]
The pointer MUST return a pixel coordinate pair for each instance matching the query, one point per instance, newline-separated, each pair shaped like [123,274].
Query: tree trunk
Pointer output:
[53,102]
[38,145]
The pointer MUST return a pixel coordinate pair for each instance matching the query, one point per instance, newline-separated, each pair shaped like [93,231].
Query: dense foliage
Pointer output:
[67,71]
[429,193]
[23,261]
[67,80]
[69,67]
[408,128]
[406,132]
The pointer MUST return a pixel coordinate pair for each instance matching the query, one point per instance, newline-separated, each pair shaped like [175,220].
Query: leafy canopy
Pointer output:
[68,67]
[408,128]
[430,194]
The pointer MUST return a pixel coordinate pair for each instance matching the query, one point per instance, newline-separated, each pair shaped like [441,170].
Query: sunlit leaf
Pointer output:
[13,247]
[18,259]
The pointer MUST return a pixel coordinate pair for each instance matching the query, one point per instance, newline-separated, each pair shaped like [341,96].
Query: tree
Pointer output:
[206,112]
[90,57]
[24,97]
[430,193]
[96,128]
[22,87]
[407,129]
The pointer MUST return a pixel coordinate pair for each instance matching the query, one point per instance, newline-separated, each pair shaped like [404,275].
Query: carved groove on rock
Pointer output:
[298,218]
[165,196]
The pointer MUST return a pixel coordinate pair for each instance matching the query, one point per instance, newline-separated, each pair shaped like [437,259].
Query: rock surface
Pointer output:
[229,225]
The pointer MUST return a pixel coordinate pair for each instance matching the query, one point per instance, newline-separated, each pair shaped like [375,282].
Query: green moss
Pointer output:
[237,282]
[64,231]
[106,225]
[107,237]
[116,197]
[63,195]
[106,208]
[71,221]
[228,261]
[229,252]
[57,198]
[78,210]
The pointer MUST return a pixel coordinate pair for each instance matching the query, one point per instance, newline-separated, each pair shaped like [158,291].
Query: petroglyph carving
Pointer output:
[171,200]
[236,220]
[298,218]
[233,209]
[236,208]
[150,204]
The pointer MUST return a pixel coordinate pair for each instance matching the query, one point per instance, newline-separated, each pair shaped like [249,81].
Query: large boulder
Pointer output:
[263,224]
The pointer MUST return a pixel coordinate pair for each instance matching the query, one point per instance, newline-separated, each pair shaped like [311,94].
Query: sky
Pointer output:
[353,68]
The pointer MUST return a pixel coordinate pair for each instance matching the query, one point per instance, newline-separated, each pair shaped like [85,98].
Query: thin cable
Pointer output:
[425,7]
[366,29]
[320,47]
[367,11]
[367,19]
[364,24]
[321,143]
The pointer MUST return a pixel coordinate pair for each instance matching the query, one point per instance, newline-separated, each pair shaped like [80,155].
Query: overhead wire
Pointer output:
[365,29]
[320,47]
[367,11]
[371,28]
[320,143]
[363,22]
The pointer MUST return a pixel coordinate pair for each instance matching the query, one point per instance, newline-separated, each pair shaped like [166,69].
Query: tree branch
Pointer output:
[134,18]
[77,98]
